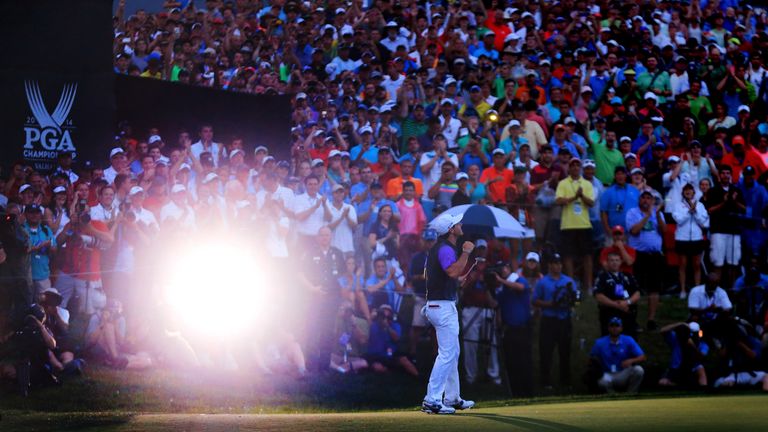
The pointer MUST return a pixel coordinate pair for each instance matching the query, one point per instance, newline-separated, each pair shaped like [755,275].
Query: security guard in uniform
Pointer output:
[320,270]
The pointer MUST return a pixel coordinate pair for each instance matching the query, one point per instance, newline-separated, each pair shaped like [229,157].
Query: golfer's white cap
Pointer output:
[443,223]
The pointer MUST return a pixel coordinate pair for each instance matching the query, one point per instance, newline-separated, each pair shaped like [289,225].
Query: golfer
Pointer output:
[442,271]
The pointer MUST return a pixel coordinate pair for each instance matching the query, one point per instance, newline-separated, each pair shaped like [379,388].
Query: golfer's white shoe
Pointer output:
[436,408]
[461,404]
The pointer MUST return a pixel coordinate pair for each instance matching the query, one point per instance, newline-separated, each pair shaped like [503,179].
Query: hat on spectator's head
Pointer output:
[625,138]
[617,229]
[744,108]
[301,95]
[154,138]
[695,144]
[630,72]
[514,123]
[461,176]
[268,159]
[474,88]
[694,327]
[498,151]
[317,162]
[136,190]
[59,189]
[570,120]
[574,160]
[545,62]
[178,187]
[645,192]
[345,154]
[116,151]
[559,126]
[366,129]
[163,161]
[650,95]
[621,168]
[391,24]
[520,169]
[555,258]
[749,170]
[615,321]
[586,89]
[659,146]
[337,187]
[210,177]
[630,156]
[235,152]
[616,101]
[284,164]
[481,243]
[334,153]
[589,163]
[446,101]
[449,81]
[637,170]
[429,234]
[443,223]
[532,256]
[261,148]
[737,140]
[33,208]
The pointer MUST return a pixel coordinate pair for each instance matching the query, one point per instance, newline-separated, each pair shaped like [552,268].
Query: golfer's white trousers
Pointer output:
[444,316]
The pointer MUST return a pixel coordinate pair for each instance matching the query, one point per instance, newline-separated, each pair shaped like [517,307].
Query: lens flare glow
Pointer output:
[216,290]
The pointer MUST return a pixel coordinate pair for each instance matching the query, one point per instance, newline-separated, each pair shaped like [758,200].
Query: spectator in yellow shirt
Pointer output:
[576,196]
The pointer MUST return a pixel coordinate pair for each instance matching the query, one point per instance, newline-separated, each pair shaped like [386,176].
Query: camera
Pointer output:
[567,297]
[83,214]
[129,215]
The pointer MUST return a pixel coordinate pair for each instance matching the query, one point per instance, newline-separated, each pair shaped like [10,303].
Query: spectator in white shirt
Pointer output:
[342,62]
[118,161]
[206,144]
[105,210]
[706,301]
[177,213]
[309,212]
[342,220]
[450,125]
[431,162]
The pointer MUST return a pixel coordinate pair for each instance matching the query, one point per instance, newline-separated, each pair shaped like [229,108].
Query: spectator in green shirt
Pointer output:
[655,80]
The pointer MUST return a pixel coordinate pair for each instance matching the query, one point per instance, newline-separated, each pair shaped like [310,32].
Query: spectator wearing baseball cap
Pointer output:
[619,246]
[618,355]
[117,163]
[497,177]
[42,243]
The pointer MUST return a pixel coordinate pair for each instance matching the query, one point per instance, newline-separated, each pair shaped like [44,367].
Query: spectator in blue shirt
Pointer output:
[42,243]
[554,294]
[385,335]
[646,227]
[514,298]
[381,286]
[617,200]
[688,350]
[618,356]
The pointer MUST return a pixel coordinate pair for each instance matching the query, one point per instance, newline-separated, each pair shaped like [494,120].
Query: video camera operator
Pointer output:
[514,296]
[33,342]
[478,315]
[15,271]
[556,294]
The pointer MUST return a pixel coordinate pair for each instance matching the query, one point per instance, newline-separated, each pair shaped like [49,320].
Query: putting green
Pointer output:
[731,413]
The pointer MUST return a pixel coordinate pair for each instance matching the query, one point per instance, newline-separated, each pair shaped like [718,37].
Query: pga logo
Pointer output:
[52,131]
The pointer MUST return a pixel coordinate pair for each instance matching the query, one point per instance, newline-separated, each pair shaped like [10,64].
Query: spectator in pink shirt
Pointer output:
[412,223]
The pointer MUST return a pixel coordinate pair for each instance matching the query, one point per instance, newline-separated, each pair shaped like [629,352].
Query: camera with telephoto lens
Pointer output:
[83,213]
[128,214]
[567,297]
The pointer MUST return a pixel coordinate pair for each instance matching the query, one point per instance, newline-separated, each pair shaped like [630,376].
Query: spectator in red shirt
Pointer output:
[412,223]
[618,246]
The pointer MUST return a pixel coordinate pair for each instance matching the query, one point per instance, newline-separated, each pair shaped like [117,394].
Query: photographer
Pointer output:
[688,350]
[33,344]
[105,335]
[478,314]
[81,243]
[62,358]
[556,294]
[383,353]
[42,245]
[15,270]
[514,296]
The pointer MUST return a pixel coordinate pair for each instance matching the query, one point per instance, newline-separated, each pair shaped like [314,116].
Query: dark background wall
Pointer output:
[50,44]
[171,107]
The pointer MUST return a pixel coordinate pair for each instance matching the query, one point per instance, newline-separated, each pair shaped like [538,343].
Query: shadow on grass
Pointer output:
[525,422]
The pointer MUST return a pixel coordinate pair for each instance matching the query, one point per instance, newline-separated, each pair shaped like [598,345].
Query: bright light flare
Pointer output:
[217,290]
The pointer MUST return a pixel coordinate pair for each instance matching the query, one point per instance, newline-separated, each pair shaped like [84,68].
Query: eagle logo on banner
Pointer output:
[60,114]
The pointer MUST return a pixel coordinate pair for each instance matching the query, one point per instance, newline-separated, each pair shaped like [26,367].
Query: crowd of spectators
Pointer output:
[629,139]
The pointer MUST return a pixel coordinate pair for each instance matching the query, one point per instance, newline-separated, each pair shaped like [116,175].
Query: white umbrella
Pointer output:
[486,220]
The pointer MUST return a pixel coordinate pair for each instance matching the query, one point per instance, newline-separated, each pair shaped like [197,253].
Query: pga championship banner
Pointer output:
[56,80]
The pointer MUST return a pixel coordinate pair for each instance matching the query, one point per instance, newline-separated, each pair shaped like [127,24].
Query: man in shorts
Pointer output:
[576,195]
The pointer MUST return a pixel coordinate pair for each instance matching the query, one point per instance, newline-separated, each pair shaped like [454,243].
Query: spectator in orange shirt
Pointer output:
[497,23]
[394,187]
[412,222]
[737,159]
[497,177]
[530,91]
[758,156]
